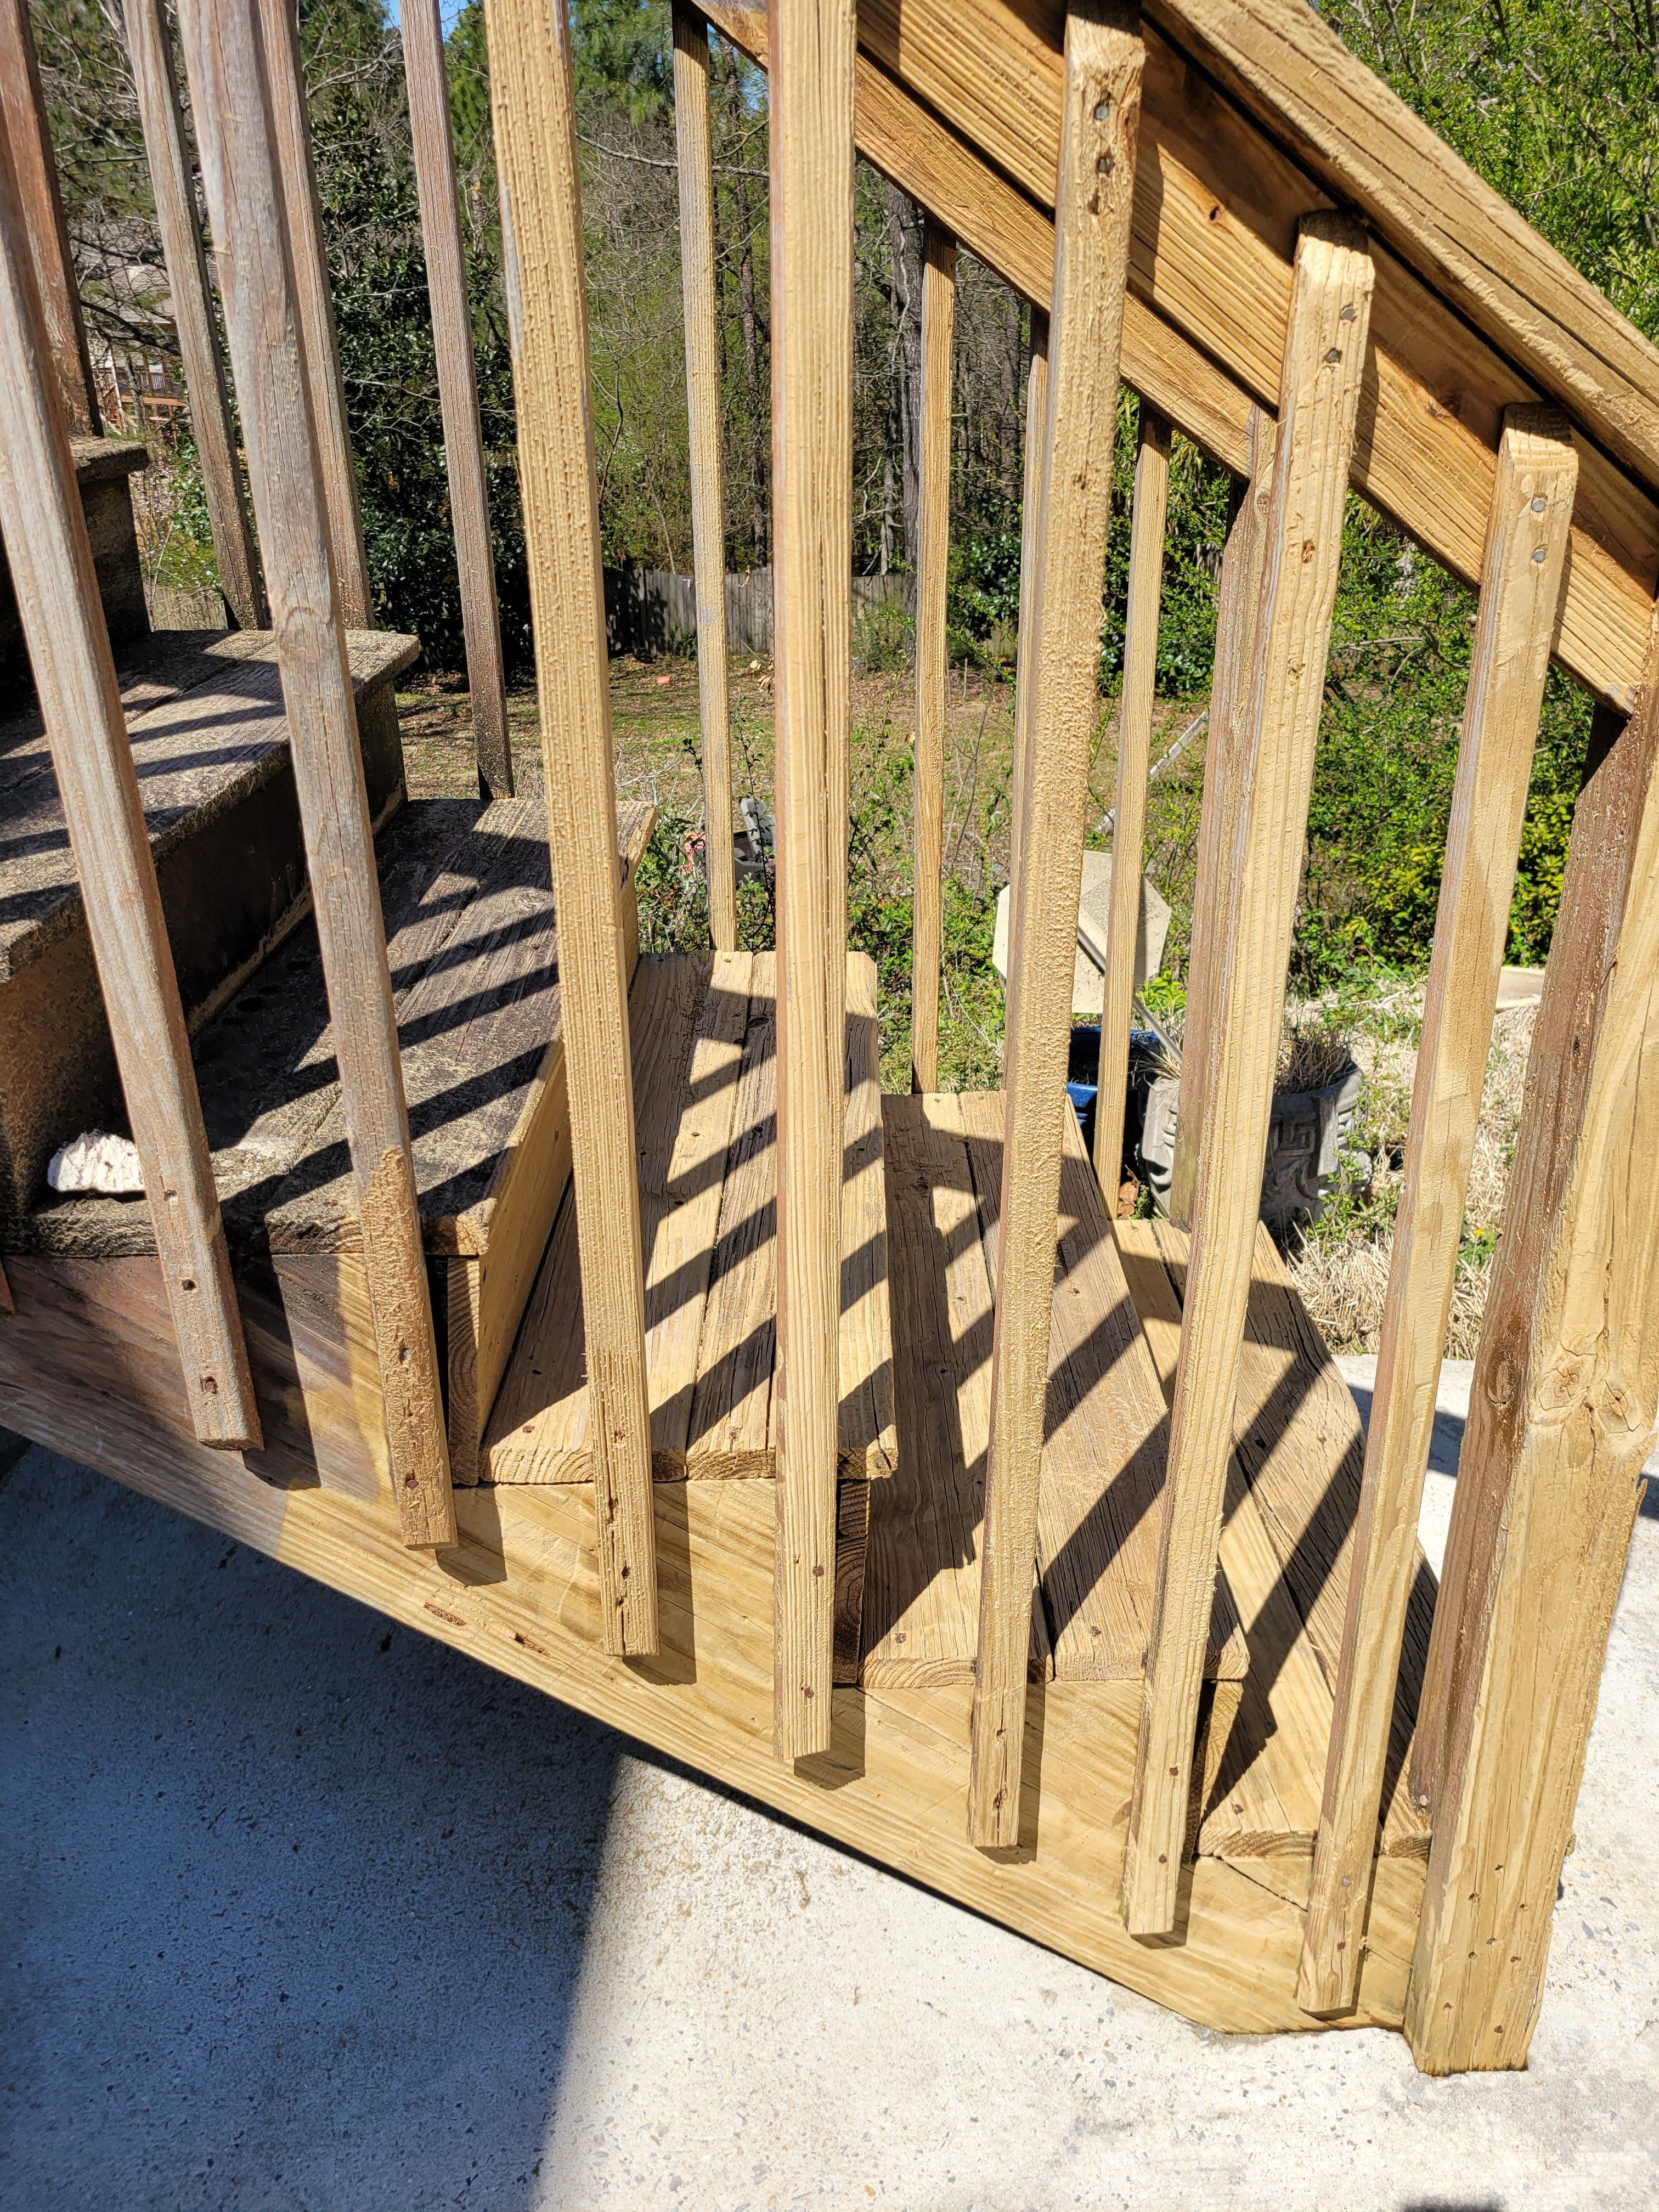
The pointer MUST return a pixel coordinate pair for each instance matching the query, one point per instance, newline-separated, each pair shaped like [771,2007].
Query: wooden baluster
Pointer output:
[703,395]
[237,141]
[149,50]
[35,172]
[1105,60]
[457,390]
[932,561]
[1238,601]
[1134,762]
[57,587]
[285,77]
[1527,537]
[532,97]
[1324,361]
[1030,519]
[811,48]
[1560,1421]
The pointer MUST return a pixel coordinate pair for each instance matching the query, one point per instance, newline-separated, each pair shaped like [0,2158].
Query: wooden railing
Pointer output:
[1301,352]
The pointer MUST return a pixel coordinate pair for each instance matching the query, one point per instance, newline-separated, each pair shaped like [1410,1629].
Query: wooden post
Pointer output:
[532,98]
[1238,601]
[1527,536]
[932,561]
[280,35]
[56,587]
[150,52]
[702,399]
[23,126]
[236,138]
[1325,351]
[1101,117]
[1031,519]
[1560,1421]
[811,51]
[457,390]
[1134,760]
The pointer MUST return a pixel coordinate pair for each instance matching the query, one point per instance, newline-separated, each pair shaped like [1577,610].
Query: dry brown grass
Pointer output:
[1342,1268]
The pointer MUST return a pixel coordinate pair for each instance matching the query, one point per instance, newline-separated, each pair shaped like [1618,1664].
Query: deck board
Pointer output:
[705,1091]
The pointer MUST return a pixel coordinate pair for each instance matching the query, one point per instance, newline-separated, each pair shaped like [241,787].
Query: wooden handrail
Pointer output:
[49,552]
[279,33]
[931,558]
[240,172]
[1104,63]
[150,49]
[532,98]
[1325,362]
[1134,760]
[23,116]
[1526,556]
[811,212]
[433,149]
[703,395]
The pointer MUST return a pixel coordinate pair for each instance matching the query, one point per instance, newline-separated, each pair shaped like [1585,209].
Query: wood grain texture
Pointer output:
[1324,363]
[1134,762]
[519,1591]
[150,49]
[51,561]
[703,395]
[1217,209]
[34,176]
[1031,519]
[1560,1421]
[1526,554]
[1105,61]
[533,101]
[433,149]
[279,39]
[1238,603]
[1461,237]
[245,197]
[932,558]
[811,47]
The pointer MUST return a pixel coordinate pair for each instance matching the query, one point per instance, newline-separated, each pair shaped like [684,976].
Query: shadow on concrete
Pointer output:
[298,1898]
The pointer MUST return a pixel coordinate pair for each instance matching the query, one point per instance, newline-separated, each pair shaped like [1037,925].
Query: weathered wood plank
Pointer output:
[1103,64]
[532,99]
[1526,554]
[703,392]
[1324,365]
[150,49]
[866,1441]
[1560,1422]
[245,194]
[434,148]
[811,45]
[931,558]
[34,179]
[279,35]
[50,560]
[1134,760]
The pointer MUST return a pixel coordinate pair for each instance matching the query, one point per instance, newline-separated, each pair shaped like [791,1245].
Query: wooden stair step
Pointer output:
[704,1036]
[1286,1546]
[473,945]
[209,741]
[1102,1475]
[102,467]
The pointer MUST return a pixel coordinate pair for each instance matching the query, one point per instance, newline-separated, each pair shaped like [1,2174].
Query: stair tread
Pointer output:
[98,459]
[206,724]
[704,1076]
[1103,1462]
[1287,1540]
[471,944]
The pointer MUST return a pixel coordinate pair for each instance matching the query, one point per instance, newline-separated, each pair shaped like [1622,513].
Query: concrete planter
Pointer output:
[1306,1139]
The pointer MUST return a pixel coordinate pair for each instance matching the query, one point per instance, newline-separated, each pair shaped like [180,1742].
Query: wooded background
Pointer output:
[1556,102]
